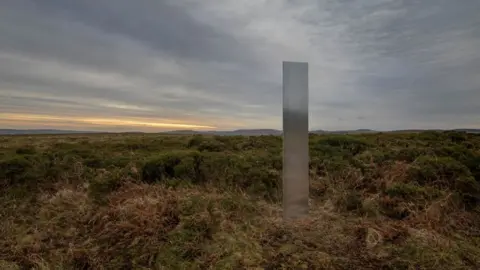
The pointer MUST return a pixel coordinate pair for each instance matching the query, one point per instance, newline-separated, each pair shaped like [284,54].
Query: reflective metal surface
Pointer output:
[295,140]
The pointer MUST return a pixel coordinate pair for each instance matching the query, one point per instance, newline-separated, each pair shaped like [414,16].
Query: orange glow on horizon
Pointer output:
[126,122]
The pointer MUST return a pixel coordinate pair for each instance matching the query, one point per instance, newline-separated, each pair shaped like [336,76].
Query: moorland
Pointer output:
[150,201]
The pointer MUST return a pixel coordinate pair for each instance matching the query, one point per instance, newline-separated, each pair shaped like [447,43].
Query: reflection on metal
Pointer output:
[295,140]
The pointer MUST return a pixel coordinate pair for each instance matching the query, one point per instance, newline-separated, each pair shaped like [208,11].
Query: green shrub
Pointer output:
[26,150]
[458,152]
[332,165]
[107,181]
[175,164]
[94,162]
[406,191]
[17,170]
[468,145]
[327,151]
[430,136]
[409,154]
[469,190]
[207,144]
[211,146]
[347,143]
[446,172]
[456,136]
[56,164]
[443,171]
[468,157]
[100,187]
[195,141]
[257,173]
[375,156]
[265,183]
[221,168]
[118,161]
[351,201]
[394,208]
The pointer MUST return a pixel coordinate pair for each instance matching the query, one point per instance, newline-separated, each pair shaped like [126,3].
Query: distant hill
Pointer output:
[41,131]
[182,132]
[468,130]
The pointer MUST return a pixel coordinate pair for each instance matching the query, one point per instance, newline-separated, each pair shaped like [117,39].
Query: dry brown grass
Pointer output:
[161,228]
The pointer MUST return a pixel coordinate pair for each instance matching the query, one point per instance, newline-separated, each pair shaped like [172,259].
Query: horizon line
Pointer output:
[231,130]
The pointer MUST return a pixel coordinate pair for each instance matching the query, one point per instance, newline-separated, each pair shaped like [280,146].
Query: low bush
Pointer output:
[350,144]
[18,169]
[456,136]
[406,191]
[195,141]
[438,171]
[26,150]
[174,164]
[446,172]
[394,208]
[408,154]
[211,146]
[431,136]
[257,174]
[108,182]
[470,158]
[350,201]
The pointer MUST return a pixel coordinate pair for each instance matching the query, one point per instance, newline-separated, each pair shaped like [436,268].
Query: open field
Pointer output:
[144,201]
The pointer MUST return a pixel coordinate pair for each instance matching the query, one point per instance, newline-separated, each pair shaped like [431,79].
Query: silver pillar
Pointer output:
[295,140]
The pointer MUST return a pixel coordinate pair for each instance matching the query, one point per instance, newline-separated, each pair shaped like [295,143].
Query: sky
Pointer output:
[153,65]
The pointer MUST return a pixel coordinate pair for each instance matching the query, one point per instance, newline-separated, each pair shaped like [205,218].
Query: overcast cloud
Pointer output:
[169,64]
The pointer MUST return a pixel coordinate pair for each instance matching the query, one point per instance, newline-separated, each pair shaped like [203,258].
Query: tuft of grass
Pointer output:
[9,265]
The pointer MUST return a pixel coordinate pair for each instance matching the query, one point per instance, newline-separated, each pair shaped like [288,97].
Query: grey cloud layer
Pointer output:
[379,64]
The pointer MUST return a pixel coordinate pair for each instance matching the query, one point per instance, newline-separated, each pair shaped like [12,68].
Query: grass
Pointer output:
[145,201]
